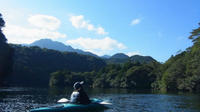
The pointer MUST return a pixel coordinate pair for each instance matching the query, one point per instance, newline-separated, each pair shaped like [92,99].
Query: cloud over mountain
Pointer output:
[100,45]
[44,21]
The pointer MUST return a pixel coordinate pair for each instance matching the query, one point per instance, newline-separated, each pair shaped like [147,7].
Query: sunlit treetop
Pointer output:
[195,34]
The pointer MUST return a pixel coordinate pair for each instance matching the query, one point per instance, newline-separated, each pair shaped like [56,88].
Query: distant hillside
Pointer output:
[120,58]
[55,45]
[117,59]
[141,59]
[105,56]
[33,65]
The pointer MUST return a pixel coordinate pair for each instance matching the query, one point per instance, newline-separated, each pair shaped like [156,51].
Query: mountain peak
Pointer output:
[105,56]
[141,59]
[55,45]
[50,44]
[120,55]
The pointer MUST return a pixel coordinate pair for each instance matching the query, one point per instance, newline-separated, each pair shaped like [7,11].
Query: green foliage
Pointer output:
[195,34]
[65,78]
[127,75]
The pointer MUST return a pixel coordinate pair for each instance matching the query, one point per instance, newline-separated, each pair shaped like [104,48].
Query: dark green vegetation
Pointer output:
[5,54]
[127,75]
[32,65]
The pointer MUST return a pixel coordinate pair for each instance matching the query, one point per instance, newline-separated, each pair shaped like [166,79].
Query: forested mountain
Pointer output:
[105,56]
[49,44]
[141,59]
[121,58]
[5,54]
[33,65]
[118,58]
[55,45]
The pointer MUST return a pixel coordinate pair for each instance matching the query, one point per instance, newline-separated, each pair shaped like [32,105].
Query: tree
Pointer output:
[2,36]
[6,53]
[195,34]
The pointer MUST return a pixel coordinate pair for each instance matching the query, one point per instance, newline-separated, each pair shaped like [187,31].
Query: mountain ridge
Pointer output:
[117,58]
[120,58]
[55,45]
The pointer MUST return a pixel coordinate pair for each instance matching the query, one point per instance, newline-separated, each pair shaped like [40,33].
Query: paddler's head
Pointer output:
[78,85]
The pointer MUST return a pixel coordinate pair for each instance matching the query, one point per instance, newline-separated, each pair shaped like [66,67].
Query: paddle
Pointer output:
[63,100]
[105,103]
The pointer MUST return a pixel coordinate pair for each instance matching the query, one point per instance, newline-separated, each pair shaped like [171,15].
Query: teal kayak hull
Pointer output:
[68,107]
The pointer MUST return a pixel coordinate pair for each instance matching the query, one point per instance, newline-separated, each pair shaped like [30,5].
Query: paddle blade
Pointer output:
[63,100]
[105,103]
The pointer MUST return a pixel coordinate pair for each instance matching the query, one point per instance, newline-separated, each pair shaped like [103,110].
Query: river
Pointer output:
[21,99]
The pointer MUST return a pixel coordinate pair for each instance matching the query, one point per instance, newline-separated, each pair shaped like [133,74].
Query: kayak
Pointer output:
[95,105]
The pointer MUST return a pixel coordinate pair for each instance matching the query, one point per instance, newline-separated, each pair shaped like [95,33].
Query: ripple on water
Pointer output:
[23,99]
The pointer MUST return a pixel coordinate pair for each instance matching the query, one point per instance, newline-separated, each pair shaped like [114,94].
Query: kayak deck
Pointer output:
[69,107]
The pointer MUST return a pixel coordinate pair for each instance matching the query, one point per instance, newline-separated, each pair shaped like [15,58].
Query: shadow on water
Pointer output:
[15,99]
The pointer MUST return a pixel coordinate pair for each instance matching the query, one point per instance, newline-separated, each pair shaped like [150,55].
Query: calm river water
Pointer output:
[16,99]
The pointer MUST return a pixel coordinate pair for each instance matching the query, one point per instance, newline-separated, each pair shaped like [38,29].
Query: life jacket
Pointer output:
[79,97]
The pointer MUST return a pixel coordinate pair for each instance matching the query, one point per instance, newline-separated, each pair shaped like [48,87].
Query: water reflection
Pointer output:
[123,100]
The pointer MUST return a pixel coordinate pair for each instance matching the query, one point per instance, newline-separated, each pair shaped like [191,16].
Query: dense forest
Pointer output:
[35,66]
[32,65]
[6,53]
[128,75]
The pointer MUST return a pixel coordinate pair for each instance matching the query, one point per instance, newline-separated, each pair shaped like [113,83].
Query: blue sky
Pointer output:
[155,28]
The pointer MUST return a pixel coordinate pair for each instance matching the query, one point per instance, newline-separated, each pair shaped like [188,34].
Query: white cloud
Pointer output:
[44,22]
[19,35]
[100,31]
[135,21]
[105,44]
[79,22]
[133,53]
[40,26]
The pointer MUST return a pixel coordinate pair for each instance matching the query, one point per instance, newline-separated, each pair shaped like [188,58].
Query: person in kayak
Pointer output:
[79,95]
